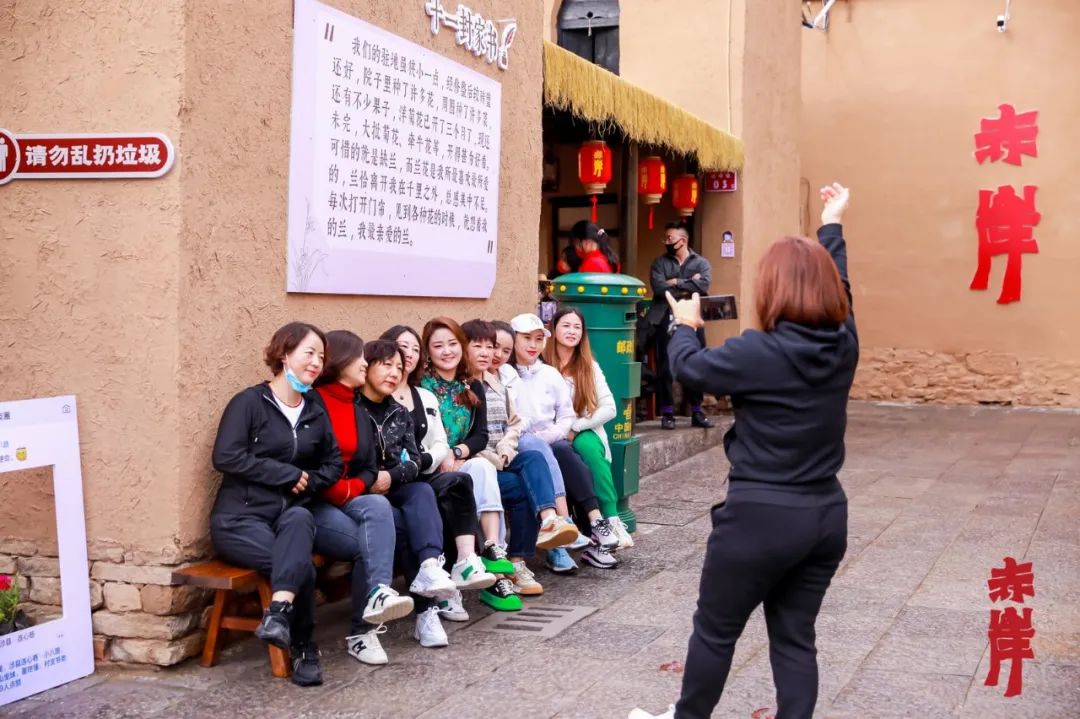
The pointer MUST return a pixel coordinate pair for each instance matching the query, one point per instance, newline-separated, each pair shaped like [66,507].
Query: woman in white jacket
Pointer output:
[542,397]
[594,406]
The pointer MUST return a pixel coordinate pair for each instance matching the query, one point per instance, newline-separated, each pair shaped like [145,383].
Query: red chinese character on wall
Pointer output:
[1008,137]
[1005,225]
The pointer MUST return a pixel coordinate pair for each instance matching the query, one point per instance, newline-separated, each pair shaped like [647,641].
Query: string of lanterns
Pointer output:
[595,170]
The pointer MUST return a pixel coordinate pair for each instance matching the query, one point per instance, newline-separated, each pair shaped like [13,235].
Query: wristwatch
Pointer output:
[457,452]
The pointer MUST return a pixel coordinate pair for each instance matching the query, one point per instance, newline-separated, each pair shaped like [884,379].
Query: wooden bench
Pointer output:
[228,583]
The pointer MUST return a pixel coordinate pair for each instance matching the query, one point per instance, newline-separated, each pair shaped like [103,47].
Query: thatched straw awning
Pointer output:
[590,92]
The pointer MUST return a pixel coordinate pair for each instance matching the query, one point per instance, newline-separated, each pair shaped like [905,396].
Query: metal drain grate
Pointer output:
[536,620]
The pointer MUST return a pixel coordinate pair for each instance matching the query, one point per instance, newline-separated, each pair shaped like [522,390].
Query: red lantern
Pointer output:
[652,182]
[594,169]
[684,194]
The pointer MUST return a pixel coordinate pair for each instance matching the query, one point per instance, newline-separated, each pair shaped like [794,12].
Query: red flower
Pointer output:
[5,582]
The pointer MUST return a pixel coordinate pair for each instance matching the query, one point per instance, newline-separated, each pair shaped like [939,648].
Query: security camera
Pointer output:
[1001,22]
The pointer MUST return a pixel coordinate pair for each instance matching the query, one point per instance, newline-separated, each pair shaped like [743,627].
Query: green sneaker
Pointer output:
[494,559]
[501,597]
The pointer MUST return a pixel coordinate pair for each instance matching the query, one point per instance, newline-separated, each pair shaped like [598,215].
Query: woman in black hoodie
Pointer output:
[782,531]
[276,451]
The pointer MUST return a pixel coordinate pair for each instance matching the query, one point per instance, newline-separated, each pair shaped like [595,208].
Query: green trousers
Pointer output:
[591,448]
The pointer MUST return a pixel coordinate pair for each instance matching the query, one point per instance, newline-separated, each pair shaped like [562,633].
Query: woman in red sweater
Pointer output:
[353,523]
[593,248]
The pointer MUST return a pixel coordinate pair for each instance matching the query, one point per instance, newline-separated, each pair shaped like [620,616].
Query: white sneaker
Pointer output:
[582,540]
[366,647]
[386,605]
[432,580]
[599,557]
[471,574]
[625,540]
[525,581]
[603,534]
[429,630]
[453,609]
[636,713]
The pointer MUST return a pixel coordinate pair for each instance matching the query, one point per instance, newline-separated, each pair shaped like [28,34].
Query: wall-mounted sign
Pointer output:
[71,156]
[727,245]
[45,433]
[721,181]
[393,165]
[479,36]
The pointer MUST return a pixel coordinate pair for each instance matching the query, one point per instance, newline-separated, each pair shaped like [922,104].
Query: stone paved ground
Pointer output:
[938,496]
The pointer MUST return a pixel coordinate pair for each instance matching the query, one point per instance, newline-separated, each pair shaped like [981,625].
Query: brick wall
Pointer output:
[137,616]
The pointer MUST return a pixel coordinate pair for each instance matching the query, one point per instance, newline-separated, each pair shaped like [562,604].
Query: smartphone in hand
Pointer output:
[718,307]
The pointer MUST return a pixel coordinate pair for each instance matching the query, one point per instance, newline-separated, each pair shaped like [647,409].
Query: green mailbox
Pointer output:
[609,304]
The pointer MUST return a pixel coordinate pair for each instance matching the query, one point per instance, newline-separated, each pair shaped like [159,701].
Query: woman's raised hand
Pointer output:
[686,312]
[835,198]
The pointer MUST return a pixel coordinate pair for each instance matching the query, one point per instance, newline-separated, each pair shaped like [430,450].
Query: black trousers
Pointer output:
[454,495]
[576,476]
[280,549]
[664,379]
[757,553]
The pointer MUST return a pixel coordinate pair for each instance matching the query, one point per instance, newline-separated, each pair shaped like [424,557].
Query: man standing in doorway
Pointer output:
[679,272]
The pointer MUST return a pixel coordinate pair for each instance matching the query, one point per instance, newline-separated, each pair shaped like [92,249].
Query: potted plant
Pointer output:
[12,619]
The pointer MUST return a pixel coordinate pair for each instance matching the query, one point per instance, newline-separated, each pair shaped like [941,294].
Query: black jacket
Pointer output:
[395,440]
[789,389]
[261,457]
[477,438]
[664,268]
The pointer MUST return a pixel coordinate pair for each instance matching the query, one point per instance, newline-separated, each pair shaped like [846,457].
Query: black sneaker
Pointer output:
[501,597]
[306,671]
[700,419]
[667,422]
[494,559]
[274,627]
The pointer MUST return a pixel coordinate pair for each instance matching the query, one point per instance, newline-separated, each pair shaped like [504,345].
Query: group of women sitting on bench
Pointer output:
[452,455]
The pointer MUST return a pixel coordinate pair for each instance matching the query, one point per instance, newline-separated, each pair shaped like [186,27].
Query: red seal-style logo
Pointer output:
[10,156]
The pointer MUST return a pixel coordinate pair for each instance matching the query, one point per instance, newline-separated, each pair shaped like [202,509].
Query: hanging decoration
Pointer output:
[652,182]
[684,194]
[594,169]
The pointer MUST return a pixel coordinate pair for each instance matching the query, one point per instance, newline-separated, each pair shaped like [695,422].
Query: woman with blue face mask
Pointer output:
[276,451]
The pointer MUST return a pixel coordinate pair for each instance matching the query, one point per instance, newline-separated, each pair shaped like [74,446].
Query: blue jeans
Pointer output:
[532,443]
[526,490]
[360,531]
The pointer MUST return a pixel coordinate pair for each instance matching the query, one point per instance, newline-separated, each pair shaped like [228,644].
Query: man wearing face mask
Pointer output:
[679,272]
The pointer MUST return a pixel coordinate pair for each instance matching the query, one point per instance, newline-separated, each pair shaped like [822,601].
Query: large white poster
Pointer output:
[394,164]
[42,433]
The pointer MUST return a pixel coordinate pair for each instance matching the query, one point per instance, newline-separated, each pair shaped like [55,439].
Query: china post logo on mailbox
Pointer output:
[20,454]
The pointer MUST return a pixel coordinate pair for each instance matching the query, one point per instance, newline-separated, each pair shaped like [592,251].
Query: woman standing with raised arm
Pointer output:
[780,534]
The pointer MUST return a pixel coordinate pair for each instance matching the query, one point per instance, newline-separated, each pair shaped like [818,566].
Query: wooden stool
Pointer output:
[228,581]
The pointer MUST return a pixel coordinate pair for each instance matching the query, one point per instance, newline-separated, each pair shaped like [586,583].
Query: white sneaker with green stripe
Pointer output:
[469,573]
[453,609]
